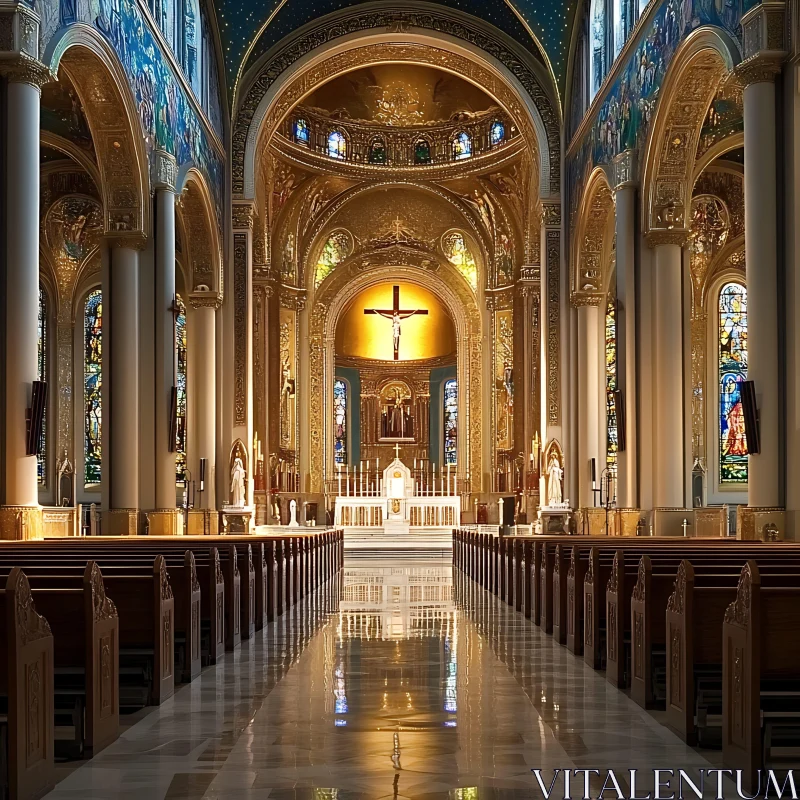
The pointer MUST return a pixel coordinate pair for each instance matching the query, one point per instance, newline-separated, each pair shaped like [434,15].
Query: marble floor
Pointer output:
[394,680]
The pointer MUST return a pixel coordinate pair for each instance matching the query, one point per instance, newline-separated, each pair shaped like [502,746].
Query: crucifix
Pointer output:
[395,314]
[397,452]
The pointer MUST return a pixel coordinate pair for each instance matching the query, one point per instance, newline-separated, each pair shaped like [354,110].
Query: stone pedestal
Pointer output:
[121,522]
[203,522]
[554,520]
[669,521]
[165,522]
[19,523]
[236,520]
[628,521]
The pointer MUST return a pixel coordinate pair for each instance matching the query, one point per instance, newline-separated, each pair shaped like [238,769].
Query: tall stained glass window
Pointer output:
[180,429]
[340,421]
[597,39]
[462,146]
[612,431]
[497,133]
[624,18]
[41,459]
[337,145]
[450,421]
[301,131]
[92,384]
[732,327]
[458,254]
[334,251]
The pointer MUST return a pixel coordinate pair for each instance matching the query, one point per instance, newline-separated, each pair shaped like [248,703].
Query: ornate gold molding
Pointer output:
[758,70]
[624,169]
[26,70]
[242,215]
[551,214]
[205,300]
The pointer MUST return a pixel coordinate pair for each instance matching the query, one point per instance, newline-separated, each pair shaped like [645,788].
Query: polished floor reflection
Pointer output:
[393,681]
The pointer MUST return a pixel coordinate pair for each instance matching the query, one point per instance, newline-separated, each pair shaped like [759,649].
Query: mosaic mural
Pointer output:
[168,118]
[623,119]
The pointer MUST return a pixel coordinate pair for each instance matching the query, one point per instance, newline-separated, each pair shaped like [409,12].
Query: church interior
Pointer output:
[399,399]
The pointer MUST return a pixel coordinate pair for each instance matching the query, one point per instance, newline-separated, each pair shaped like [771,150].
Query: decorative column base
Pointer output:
[711,522]
[203,522]
[121,522]
[594,521]
[628,521]
[164,522]
[19,523]
[760,523]
[669,521]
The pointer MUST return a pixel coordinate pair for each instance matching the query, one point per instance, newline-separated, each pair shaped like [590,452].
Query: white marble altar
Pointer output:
[393,512]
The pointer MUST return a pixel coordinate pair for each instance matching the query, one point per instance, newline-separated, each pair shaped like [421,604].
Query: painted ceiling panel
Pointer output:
[249,28]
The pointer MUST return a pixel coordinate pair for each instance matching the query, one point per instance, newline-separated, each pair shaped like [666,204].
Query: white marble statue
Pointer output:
[237,483]
[293,523]
[554,477]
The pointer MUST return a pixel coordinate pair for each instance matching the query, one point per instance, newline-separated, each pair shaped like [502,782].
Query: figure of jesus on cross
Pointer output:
[395,314]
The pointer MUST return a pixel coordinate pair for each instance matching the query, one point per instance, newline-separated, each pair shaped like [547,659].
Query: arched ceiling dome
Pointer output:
[251,28]
[399,95]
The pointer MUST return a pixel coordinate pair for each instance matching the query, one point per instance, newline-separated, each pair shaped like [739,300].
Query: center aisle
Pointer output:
[388,682]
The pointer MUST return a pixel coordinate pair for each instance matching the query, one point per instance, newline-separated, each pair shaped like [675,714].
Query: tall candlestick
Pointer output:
[339,477]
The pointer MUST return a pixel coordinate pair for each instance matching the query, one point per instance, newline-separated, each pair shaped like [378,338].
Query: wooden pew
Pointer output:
[85,625]
[26,686]
[761,671]
[575,605]
[559,593]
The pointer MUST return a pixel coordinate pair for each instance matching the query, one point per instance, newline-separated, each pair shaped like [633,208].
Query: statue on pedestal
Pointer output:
[555,475]
[238,484]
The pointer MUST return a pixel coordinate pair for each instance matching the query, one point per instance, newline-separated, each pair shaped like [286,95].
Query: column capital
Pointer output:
[758,69]
[131,241]
[26,70]
[205,300]
[163,170]
[19,45]
[582,300]
[763,39]
[657,238]
[242,213]
[625,169]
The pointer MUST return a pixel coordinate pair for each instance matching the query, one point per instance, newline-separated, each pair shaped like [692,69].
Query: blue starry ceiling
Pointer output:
[241,20]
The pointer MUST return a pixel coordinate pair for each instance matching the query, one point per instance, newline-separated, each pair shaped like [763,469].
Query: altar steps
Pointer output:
[379,540]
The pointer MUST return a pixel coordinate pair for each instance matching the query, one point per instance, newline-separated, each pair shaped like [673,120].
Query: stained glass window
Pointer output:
[180,428]
[732,321]
[597,34]
[301,131]
[462,146]
[624,18]
[337,145]
[335,250]
[458,254]
[422,151]
[340,421]
[92,384]
[450,421]
[41,459]
[497,133]
[377,152]
[612,432]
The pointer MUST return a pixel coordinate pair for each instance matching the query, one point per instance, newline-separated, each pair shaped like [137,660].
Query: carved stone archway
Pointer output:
[701,63]
[333,298]
[593,240]
[99,79]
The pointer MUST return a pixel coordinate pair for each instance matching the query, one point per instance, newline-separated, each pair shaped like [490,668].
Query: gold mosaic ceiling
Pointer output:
[399,95]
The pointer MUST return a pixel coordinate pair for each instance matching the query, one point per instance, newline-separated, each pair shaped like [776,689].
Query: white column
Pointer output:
[202,392]
[760,210]
[667,333]
[123,395]
[627,472]
[22,283]
[589,398]
[165,378]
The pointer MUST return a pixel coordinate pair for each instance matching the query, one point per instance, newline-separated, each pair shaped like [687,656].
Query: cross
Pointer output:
[395,314]
[397,452]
